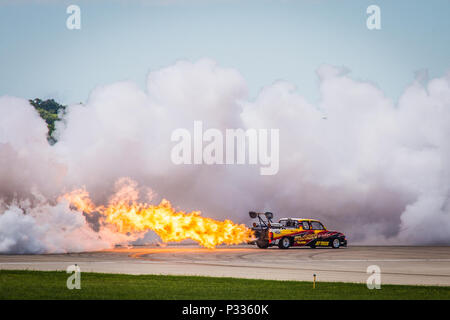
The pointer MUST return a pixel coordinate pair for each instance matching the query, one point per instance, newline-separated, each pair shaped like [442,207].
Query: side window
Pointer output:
[305,225]
[317,225]
[283,223]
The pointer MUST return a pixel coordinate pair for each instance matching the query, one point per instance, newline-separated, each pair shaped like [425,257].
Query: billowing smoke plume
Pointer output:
[375,169]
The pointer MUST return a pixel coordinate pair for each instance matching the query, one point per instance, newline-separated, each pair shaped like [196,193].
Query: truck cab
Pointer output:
[290,232]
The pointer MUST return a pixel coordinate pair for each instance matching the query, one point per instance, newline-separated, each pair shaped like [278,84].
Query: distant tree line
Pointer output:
[50,111]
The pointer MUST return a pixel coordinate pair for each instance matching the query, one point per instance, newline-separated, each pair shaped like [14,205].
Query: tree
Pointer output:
[50,111]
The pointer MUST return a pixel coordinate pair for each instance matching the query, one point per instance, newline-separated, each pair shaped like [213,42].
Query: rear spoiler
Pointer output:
[268,215]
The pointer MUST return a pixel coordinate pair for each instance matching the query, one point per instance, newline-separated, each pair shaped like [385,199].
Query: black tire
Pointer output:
[312,246]
[284,243]
[336,243]
[262,244]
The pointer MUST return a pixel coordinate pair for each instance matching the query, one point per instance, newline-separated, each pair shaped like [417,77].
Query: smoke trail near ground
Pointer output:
[375,169]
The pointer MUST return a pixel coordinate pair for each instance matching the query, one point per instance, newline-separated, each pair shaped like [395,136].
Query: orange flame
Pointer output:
[127,215]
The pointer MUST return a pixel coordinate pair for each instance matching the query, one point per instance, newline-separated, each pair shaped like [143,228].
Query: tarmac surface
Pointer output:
[399,265]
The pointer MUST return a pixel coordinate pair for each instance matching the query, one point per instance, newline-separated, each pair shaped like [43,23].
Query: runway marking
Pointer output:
[400,265]
[380,260]
[321,260]
[144,260]
[60,262]
[232,266]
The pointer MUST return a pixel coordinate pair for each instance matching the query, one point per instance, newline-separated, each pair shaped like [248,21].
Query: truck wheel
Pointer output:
[335,244]
[284,243]
[262,244]
[312,246]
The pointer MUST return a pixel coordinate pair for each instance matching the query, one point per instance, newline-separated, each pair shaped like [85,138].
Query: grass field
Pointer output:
[52,285]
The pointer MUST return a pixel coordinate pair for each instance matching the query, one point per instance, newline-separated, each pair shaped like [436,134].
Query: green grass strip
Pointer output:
[15,284]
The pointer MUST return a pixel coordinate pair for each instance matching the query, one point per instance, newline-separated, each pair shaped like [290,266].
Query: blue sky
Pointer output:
[266,40]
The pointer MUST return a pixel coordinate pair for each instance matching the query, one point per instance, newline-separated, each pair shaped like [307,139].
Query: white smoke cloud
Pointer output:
[51,229]
[372,168]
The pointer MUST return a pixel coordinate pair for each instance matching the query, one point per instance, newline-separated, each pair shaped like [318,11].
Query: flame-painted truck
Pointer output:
[292,232]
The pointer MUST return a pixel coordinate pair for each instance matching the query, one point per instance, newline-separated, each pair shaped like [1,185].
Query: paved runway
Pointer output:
[399,265]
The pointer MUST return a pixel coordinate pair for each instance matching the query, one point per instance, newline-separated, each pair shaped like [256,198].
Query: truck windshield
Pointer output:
[317,225]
